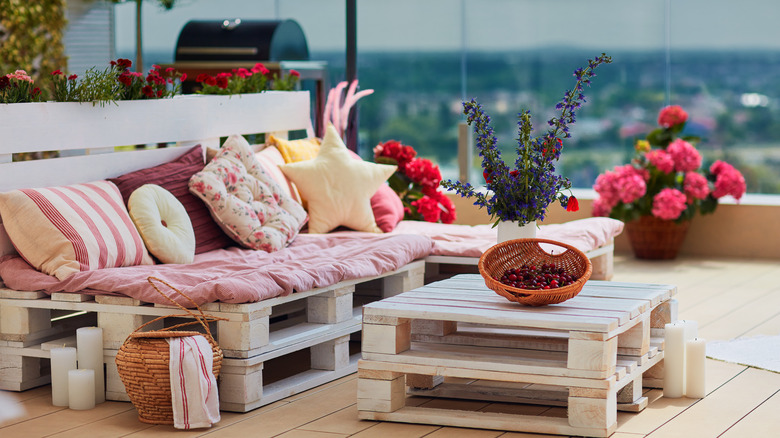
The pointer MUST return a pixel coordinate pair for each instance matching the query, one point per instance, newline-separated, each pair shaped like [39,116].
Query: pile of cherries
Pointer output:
[547,276]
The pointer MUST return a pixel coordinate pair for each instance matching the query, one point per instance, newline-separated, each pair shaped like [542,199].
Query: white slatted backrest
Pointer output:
[183,120]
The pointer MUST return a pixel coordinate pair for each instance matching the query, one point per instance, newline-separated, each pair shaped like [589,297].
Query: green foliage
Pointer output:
[31,38]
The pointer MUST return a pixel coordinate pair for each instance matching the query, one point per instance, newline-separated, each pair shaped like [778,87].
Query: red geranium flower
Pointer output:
[222,82]
[573,204]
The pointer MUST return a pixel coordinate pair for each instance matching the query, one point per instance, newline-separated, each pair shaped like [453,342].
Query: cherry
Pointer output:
[547,276]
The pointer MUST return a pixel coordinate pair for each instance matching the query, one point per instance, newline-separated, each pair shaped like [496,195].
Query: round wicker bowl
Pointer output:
[514,253]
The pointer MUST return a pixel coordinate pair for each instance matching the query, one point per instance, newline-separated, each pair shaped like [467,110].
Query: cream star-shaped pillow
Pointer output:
[338,188]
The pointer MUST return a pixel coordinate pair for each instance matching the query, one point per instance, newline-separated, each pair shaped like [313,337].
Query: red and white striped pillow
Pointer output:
[81,227]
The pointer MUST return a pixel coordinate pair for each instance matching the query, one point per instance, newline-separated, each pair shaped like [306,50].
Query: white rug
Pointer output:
[760,352]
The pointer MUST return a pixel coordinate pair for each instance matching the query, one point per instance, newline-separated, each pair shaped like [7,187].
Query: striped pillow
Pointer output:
[81,227]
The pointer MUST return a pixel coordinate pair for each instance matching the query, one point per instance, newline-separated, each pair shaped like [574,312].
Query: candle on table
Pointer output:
[89,341]
[81,391]
[674,359]
[696,357]
[62,360]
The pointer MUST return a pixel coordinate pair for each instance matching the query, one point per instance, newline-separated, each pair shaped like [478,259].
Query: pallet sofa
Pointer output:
[311,327]
[260,336]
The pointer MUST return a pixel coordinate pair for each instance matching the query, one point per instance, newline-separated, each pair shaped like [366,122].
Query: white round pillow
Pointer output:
[163,224]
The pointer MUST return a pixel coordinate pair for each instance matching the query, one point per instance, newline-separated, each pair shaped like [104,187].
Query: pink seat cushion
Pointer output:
[174,176]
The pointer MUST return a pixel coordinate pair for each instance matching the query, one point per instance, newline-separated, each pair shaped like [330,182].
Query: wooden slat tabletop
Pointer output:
[599,307]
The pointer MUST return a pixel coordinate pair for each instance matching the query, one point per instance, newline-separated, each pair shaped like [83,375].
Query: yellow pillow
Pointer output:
[294,151]
[338,187]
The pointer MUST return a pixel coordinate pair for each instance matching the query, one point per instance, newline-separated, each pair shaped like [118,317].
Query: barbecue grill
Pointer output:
[241,40]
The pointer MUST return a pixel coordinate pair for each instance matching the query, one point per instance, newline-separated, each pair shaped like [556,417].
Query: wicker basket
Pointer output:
[656,239]
[143,361]
[514,253]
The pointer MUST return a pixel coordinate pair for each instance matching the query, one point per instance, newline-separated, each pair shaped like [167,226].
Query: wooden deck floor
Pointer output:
[728,298]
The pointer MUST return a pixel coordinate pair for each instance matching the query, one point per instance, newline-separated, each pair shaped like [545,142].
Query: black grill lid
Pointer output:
[242,40]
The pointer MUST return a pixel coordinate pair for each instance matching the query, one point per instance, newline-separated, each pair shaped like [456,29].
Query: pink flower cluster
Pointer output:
[695,186]
[669,204]
[686,158]
[672,115]
[728,180]
[19,75]
[665,178]
[625,184]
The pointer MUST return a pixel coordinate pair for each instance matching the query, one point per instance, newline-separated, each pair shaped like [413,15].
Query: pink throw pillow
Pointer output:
[387,206]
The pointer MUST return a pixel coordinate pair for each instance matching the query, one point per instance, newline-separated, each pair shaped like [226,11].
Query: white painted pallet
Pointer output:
[589,353]
[320,321]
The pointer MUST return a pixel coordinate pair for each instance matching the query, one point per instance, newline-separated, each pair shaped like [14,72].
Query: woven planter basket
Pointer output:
[515,253]
[656,239]
[143,361]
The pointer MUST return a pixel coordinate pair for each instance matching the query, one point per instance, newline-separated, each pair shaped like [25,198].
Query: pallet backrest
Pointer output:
[87,135]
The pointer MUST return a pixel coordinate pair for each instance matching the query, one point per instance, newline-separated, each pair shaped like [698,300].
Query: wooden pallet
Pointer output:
[456,338]
[318,323]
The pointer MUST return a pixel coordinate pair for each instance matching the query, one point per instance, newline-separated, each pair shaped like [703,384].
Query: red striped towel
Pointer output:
[193,385]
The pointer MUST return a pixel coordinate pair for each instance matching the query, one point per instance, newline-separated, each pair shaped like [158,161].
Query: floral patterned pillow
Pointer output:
[245,201]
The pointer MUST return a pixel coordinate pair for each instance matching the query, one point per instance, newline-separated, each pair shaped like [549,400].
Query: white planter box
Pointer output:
[32,127]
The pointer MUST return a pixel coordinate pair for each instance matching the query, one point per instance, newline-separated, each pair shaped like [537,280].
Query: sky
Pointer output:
[608,25]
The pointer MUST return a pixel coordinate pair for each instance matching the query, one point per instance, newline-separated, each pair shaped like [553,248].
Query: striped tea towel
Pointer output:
[193,385]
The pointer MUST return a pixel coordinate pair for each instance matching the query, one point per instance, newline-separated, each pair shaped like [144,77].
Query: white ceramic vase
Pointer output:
[510,230]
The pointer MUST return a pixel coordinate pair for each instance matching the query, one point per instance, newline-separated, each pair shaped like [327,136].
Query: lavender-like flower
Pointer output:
[524,192]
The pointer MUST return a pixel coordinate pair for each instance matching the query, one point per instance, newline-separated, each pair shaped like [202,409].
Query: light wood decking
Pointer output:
[728,298]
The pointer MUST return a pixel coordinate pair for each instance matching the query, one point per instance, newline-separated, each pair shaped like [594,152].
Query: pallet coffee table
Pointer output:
[456,338]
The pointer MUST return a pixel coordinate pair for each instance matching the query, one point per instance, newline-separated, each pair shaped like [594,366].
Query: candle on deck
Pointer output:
[62,360]
[696,358]
[89,341]
[674,359]
[81,391]
[691,330]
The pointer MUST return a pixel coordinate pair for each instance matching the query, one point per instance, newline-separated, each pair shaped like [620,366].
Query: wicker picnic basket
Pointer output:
[143,359]
[515,253]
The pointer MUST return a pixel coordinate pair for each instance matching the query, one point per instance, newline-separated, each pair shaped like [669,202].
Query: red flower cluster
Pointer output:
[243,80]
[396,151]
[416,182]
[154,86]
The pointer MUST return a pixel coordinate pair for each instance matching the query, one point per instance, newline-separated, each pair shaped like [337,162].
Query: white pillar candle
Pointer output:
[691,331]
[81,389]
[89,341]
[62,361]
[674,359]
[696,358]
